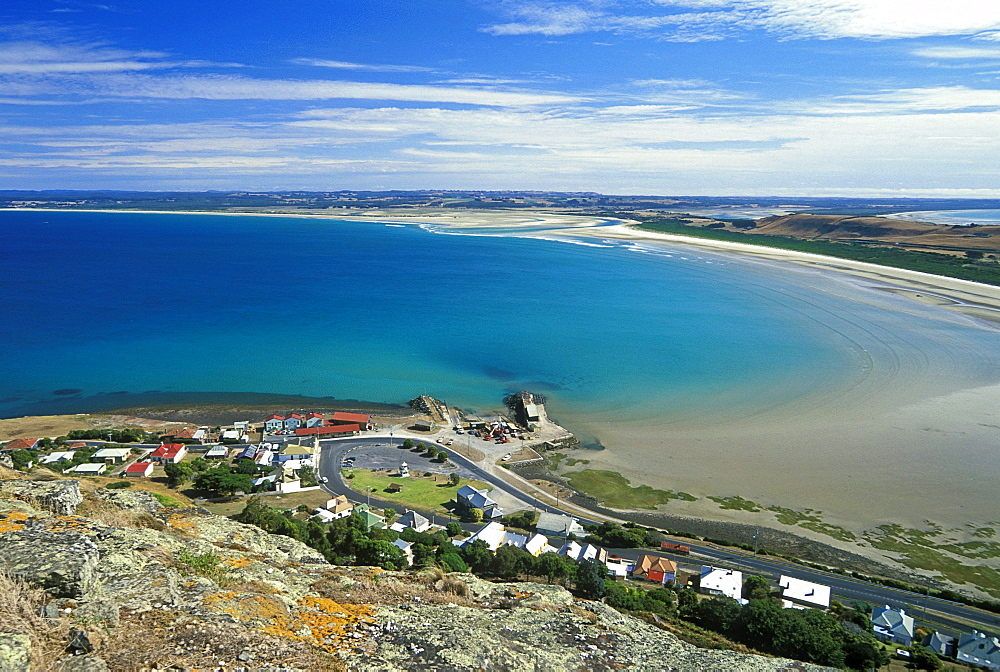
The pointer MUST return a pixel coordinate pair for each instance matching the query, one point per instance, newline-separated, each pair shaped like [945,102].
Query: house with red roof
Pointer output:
[274,423]
[293,421]
[169,452]
[314,419]
[139,470]
[20,444]
[344,418]
[331,430]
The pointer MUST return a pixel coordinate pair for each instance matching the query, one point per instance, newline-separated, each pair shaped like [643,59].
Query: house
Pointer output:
[558,525]
[469,497]
[578,552]
[413,520]
[274,423]
[232,436]
[370,519]
[242,426]
[363,420]
[187,434]
[407,548]
[333,430]
[940,644]
[719,581]
[248,453]
[324,516]
[292,421]
[537,544]
[264,482]
[217,453]
[494,535]
[978,649]
[63,456]
[339,507]
[112,455]
[168,452]
[654,568]
[139,470]
[293,451]
[423,426]
[394,487]
[618,567]
[799,594]
[314,419]
[264,457]
[88,469]
[894,626]
[20,444]
[288,478]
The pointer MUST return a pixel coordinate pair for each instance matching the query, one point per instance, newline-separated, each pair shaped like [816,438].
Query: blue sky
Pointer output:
[695,97]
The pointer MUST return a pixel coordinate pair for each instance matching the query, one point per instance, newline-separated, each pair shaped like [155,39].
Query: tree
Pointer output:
[442,457]
[718,613]
[475,515]
[756,588]
[454,478]
[863,652]
[590,577]
[431,451]
[407,443]
[178,473]
[22,458]
[925,659]
[453,562]
[248,467]
[453,529]
[379,554]
[510,561]
[477,555]
[221,480]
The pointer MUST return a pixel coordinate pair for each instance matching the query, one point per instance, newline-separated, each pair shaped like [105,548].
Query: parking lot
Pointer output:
[389,458]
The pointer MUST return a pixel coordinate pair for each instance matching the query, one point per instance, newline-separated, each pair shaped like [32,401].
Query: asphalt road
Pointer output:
[944,614]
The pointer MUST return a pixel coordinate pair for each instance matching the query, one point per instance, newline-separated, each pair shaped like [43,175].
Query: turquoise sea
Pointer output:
[109,310]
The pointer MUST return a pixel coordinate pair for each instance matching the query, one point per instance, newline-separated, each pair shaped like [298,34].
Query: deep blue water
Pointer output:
[100,307]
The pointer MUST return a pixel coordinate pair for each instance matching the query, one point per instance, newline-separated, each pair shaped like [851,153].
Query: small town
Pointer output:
[409,496]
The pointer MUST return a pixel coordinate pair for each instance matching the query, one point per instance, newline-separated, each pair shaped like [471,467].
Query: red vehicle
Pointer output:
[676,548]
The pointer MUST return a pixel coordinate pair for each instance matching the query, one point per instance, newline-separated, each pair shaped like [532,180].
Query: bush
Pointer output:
[119,485]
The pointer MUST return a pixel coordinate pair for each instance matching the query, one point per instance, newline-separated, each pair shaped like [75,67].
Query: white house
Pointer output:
[292,422]
[537,544]
[978,649]
[578,552]
[894,626]
[494,535]
[558,525]
[799,594]
[618,567]
[112,455]
[88,469]
[339,507]
[407,549]
[264,457]
[314,419]
[242,426]
[63,456]
[217,453]
[232,436]
[719,581]
[139,470]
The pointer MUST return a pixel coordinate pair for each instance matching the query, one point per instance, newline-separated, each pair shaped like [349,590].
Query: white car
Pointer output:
[506,457]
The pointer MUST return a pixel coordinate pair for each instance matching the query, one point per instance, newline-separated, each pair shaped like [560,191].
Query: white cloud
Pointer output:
[929,99]
[713,19]
[958,53]
[344,65]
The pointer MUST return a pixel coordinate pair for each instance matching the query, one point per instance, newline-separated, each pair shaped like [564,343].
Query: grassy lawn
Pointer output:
[616,491]
[419,492]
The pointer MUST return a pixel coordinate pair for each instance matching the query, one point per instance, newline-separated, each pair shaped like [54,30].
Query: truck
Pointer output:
[675,547]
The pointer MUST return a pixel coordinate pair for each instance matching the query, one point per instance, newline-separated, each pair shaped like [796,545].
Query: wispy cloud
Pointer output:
[367,67]
[39,58]
[958,53]
[688,20]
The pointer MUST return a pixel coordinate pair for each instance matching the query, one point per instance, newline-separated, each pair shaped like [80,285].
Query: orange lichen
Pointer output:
[12,521]
[182,523]
[238,563]
[321,622]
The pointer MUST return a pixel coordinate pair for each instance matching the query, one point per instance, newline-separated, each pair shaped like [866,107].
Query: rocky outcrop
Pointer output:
[131,500]
[167,587]
[59,497]
[15,652]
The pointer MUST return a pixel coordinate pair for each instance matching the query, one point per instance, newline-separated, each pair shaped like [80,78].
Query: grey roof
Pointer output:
[414,520]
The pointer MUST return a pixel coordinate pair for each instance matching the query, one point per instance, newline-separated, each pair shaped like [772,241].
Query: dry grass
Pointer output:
[20,613]
[425,588]
[115,516]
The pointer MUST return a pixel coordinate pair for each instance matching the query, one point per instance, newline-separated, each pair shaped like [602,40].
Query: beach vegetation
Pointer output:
[736,503]
[434,493]
[979,270]
[615,491]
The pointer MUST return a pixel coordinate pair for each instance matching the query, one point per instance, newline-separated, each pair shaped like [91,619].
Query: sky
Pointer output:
[863,98]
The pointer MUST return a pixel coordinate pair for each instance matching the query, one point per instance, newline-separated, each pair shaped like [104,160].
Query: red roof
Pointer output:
[293,415]
[21,444]
[314,414]
[332,429]
[273,416]
[341,417]
[79,444]
[168,450]
[186,433]
[138,467]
